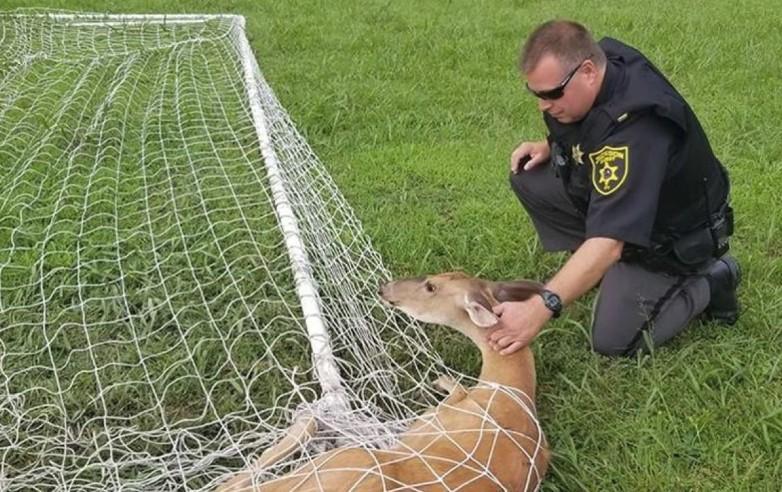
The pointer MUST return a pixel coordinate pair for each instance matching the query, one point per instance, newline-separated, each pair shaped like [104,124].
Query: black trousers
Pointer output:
[634,306]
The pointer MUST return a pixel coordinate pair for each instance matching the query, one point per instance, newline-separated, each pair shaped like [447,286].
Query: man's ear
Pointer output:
[479,310]
[590,70]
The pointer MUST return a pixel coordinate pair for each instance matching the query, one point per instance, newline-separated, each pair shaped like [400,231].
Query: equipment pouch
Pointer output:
[559,162]
[694,249]
[721,230]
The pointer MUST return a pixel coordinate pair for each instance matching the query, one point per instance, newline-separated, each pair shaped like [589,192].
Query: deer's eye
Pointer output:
[430,287]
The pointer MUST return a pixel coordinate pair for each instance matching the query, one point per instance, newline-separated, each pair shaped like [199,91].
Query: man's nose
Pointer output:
[544,105]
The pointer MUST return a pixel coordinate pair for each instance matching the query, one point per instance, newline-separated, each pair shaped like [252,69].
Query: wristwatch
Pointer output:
[552,301]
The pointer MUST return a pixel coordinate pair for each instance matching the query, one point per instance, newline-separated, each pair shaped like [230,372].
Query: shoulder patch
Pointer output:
[610,166]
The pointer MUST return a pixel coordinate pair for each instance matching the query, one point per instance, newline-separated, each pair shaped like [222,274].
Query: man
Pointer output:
[627,180]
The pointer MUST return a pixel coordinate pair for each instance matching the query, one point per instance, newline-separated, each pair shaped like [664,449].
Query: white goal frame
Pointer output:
[323,360]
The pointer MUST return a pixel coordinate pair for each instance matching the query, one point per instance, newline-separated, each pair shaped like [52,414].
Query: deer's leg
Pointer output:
[456,392]
[298,434]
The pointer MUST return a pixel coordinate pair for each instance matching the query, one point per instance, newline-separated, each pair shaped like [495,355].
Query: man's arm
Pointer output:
[624,206]
[520,322]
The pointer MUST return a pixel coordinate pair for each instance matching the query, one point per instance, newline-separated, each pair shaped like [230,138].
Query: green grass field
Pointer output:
[414,108]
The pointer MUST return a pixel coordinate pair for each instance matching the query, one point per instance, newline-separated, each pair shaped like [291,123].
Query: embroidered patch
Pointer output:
[610,166]
[577,153]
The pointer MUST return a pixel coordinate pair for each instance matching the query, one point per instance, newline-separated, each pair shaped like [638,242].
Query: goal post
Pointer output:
[328,373]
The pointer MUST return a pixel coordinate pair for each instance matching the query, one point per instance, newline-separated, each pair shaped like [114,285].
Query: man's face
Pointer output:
[579,93]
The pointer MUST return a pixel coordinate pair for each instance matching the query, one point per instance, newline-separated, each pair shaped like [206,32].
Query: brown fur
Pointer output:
[454,445]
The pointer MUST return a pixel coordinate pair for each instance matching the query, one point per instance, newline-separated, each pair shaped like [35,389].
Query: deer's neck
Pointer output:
[516,370]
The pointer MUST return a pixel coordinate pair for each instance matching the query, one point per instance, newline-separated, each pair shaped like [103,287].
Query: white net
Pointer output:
[158,328]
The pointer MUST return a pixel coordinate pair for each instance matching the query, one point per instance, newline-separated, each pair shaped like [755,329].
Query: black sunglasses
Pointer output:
[557,91]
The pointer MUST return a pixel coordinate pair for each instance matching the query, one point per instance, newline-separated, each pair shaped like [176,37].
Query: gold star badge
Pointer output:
[610,166]
[578,154]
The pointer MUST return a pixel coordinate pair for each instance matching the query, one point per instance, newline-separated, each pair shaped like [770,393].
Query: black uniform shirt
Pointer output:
[616,182]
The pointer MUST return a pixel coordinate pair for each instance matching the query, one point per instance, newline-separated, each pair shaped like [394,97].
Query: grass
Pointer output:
[414,108]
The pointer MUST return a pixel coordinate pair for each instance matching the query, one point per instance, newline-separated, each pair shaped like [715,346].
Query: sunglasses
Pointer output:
[559,90]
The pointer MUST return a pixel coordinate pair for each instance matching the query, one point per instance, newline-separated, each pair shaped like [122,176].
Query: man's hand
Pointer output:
[530,154]
[520,323]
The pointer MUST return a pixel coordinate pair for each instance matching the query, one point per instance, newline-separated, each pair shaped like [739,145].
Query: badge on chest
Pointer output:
[610,166]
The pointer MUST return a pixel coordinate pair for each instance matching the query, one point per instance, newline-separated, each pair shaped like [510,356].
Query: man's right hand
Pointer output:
[529,155]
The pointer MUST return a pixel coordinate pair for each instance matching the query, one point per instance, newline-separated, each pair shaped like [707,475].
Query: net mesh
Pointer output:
[151,327]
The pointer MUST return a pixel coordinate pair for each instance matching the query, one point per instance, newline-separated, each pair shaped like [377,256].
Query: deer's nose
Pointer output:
[381,291]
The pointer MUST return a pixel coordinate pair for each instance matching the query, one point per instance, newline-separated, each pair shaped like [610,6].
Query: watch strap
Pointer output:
[552,301]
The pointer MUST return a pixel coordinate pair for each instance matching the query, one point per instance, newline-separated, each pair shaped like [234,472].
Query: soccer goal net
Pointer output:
[179,276]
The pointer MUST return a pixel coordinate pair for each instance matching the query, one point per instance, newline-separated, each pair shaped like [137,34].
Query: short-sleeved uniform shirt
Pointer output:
[616,183]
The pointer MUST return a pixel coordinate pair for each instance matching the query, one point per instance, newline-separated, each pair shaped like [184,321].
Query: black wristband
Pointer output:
[552,301]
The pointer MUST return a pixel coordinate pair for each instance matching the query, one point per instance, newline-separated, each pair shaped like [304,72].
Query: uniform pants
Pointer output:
[634,306]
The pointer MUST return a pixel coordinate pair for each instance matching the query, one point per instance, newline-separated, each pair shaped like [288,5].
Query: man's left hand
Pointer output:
[519,324]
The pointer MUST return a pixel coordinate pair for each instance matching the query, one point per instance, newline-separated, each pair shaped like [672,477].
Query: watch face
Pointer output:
[552,301]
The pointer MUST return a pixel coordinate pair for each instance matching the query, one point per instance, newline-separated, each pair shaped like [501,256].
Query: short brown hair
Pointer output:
[568,41]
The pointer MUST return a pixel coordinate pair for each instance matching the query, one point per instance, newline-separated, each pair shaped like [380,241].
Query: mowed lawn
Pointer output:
[414,108]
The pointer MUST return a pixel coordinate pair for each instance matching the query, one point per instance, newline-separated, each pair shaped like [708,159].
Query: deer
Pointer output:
[485,437]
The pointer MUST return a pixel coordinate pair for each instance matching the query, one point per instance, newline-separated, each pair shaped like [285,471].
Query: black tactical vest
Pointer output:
[696,184]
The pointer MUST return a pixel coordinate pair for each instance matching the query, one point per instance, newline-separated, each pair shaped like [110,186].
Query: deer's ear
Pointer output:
[479,310]
[517,290]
